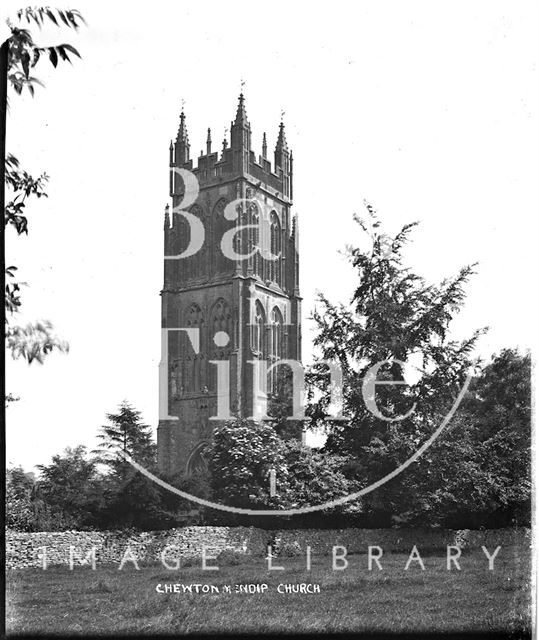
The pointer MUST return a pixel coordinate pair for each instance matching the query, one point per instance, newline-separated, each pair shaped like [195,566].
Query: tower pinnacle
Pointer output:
[182,141]
[281,139]
[182,129]
[282,158]
[240,137]
[241,113]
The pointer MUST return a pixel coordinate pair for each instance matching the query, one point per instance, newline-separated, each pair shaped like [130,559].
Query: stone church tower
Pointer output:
[244,309]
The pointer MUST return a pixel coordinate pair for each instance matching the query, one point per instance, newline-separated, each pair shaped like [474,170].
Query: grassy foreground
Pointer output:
[109,601]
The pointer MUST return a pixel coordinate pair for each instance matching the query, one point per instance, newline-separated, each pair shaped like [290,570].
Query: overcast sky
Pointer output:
[428,110]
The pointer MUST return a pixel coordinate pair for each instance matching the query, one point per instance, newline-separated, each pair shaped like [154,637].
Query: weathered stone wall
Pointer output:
[394,540]
[25,549]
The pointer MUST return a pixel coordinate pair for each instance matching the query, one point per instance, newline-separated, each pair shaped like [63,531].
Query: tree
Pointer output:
[478,474]
[24,54]
[178,510]
[19,56]
[132,500]
[314,478]
[245,452]
[396,321]
[500,412]
[71,489]
[281,406]
[240,458]
[20,514]
[126,433]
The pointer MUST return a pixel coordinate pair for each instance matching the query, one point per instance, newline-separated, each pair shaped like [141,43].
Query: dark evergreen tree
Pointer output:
[126,433]
[132,500]
[400,322]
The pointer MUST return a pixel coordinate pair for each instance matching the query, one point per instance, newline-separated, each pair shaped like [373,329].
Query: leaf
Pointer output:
[33,80]
[62,53]
[51,16]
[71,19]
[12,160]
[53,56]
[78,14]
[25,62]
[72,50]
[63,18]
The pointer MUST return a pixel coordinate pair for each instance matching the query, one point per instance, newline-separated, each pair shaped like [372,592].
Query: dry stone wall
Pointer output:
[26,549]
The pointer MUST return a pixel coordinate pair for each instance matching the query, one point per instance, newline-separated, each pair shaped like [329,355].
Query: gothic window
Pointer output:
[196,264]
[259,342]
[276,344]
[175,379]
[275,248]
[221,317]
[193,365]
[255,240]
[179,235]
[220,322]
[221,264]
[197,463]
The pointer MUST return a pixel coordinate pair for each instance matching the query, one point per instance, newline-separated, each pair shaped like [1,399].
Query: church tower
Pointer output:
[244,310]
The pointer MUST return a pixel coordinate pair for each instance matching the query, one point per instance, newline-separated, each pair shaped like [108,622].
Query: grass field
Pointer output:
[109,601]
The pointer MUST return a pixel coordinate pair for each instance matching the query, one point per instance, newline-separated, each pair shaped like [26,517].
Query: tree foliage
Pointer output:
[395,318]
[243,455]
[32,341]
[240,460]
[24,53]
[477,474]
[131,499]
[71,488]
[125,433]
[401,322]
[19,511]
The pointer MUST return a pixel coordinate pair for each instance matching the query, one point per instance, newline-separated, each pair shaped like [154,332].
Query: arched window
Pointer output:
[254,219]
[221,322]
[276,344]
[221,318]
[193,365]
[180,233]
[275,247]
[221,264]
[259,342]
[196,265]
[197,463]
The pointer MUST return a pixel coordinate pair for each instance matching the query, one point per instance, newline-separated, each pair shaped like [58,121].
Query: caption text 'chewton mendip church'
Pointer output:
[246,309]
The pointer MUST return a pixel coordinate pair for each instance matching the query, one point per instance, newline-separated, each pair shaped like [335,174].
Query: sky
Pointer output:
[427,110]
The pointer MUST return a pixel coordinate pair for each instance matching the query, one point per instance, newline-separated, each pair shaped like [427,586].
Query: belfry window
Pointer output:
[259,331]
[276,345]
[275,248]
